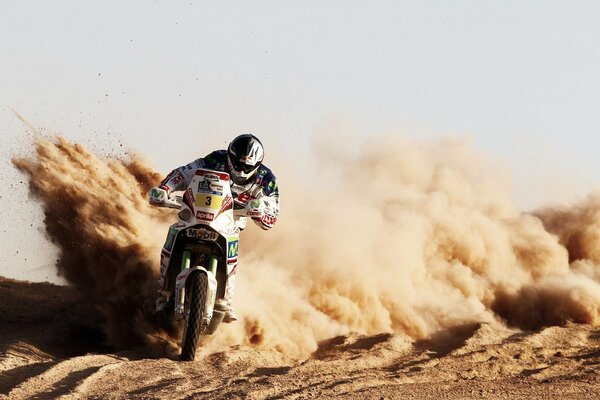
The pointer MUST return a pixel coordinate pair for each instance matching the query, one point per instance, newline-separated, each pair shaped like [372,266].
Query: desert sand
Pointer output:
[53,347]
[428,283]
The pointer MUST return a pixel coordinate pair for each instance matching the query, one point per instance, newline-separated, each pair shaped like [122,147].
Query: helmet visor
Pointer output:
[243,167]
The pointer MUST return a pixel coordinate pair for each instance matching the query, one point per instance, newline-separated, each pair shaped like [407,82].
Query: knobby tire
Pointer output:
[197,291]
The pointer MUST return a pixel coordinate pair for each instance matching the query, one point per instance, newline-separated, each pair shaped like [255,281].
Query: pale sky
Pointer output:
[521,78]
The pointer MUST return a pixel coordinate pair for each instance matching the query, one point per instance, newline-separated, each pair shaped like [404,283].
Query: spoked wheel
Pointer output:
[196,293]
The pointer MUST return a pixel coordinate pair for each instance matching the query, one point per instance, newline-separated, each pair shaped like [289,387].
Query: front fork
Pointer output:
[186,261]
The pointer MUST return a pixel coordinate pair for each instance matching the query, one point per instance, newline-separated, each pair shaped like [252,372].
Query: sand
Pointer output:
[52,346]
[414,275]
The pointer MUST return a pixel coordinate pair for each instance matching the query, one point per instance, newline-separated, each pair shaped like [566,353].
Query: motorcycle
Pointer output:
[204,243]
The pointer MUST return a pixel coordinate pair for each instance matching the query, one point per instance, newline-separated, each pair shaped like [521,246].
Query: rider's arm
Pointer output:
[269,197]
[180,177]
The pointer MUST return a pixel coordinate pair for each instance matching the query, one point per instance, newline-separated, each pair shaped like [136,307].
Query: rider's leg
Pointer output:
[225,304]
[163,292]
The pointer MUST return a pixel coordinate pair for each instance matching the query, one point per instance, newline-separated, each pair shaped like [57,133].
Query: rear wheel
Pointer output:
[196,290]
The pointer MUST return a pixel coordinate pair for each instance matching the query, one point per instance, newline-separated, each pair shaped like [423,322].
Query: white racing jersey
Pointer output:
[263,187]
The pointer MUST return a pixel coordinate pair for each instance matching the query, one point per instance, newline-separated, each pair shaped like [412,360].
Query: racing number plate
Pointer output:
[208,200]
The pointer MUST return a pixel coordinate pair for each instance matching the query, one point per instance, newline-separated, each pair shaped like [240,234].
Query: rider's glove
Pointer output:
[266,221]
[158,195]
[261,214]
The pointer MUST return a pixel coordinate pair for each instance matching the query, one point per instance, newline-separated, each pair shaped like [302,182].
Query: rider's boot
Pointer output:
[230,316]
[224,304]
[161,304]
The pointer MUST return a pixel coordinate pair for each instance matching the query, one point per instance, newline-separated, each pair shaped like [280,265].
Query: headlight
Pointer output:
[185,215]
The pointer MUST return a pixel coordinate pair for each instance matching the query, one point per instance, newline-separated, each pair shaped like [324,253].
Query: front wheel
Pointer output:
[197,289]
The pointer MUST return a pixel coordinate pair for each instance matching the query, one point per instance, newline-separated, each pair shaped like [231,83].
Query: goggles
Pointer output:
[245,168]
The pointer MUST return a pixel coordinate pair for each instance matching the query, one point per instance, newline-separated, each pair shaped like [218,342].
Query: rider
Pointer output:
[250,180]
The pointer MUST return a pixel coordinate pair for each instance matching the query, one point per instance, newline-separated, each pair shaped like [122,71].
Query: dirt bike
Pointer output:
[204,243]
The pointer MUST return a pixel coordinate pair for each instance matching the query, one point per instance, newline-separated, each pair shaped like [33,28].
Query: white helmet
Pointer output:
[244,155]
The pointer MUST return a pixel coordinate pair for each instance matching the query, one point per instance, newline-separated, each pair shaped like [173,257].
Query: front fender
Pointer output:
[180,292]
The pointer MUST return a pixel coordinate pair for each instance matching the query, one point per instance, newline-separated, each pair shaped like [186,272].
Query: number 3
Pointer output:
[208,200]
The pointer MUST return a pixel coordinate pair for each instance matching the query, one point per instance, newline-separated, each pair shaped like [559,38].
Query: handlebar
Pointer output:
[174,202]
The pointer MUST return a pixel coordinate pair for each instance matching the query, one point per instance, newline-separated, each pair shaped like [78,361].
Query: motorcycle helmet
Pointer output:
[244,155]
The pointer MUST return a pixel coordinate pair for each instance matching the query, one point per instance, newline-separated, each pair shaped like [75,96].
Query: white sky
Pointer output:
[519,77]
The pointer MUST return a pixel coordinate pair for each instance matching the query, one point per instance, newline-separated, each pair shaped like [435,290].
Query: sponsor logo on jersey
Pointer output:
[242,198]
[177,179]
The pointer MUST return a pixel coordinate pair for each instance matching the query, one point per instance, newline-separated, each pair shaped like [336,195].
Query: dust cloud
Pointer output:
[95,212]
[407,236]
